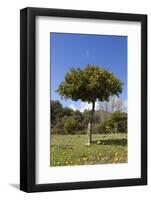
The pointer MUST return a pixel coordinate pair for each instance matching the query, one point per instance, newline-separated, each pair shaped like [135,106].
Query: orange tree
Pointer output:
[88,85]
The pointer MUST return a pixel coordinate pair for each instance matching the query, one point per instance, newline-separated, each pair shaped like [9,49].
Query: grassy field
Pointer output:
[72,149]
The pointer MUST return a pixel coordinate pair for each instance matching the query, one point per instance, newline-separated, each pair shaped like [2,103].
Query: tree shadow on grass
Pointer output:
[120,142]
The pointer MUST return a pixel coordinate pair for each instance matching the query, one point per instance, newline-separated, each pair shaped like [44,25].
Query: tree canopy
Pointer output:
[90,84]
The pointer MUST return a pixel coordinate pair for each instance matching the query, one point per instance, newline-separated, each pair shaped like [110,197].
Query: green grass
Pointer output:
[72,149]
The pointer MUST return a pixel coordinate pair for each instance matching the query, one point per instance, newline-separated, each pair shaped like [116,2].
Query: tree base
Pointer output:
[88,144]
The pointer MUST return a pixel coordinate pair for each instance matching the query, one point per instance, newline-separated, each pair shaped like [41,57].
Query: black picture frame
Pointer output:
[28,99]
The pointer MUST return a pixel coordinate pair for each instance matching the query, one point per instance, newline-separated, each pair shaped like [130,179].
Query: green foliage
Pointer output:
[57,131]
[68,121]
[116,124]
[120,118]
[67,112]
[56,111]
[89,84]
[70,125]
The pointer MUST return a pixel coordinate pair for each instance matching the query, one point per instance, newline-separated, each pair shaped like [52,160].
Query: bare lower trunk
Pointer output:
[115,128]
[91,123]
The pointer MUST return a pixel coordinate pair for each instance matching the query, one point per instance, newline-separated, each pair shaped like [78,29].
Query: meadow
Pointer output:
[72,149]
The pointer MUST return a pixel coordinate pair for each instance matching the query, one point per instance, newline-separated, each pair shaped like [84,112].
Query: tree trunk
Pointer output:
[91,123]
[115,128]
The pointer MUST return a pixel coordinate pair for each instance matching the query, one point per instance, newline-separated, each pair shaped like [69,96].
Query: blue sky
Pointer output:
[78,50]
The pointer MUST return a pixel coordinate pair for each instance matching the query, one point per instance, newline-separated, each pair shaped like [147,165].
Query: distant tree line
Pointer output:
[67,121]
